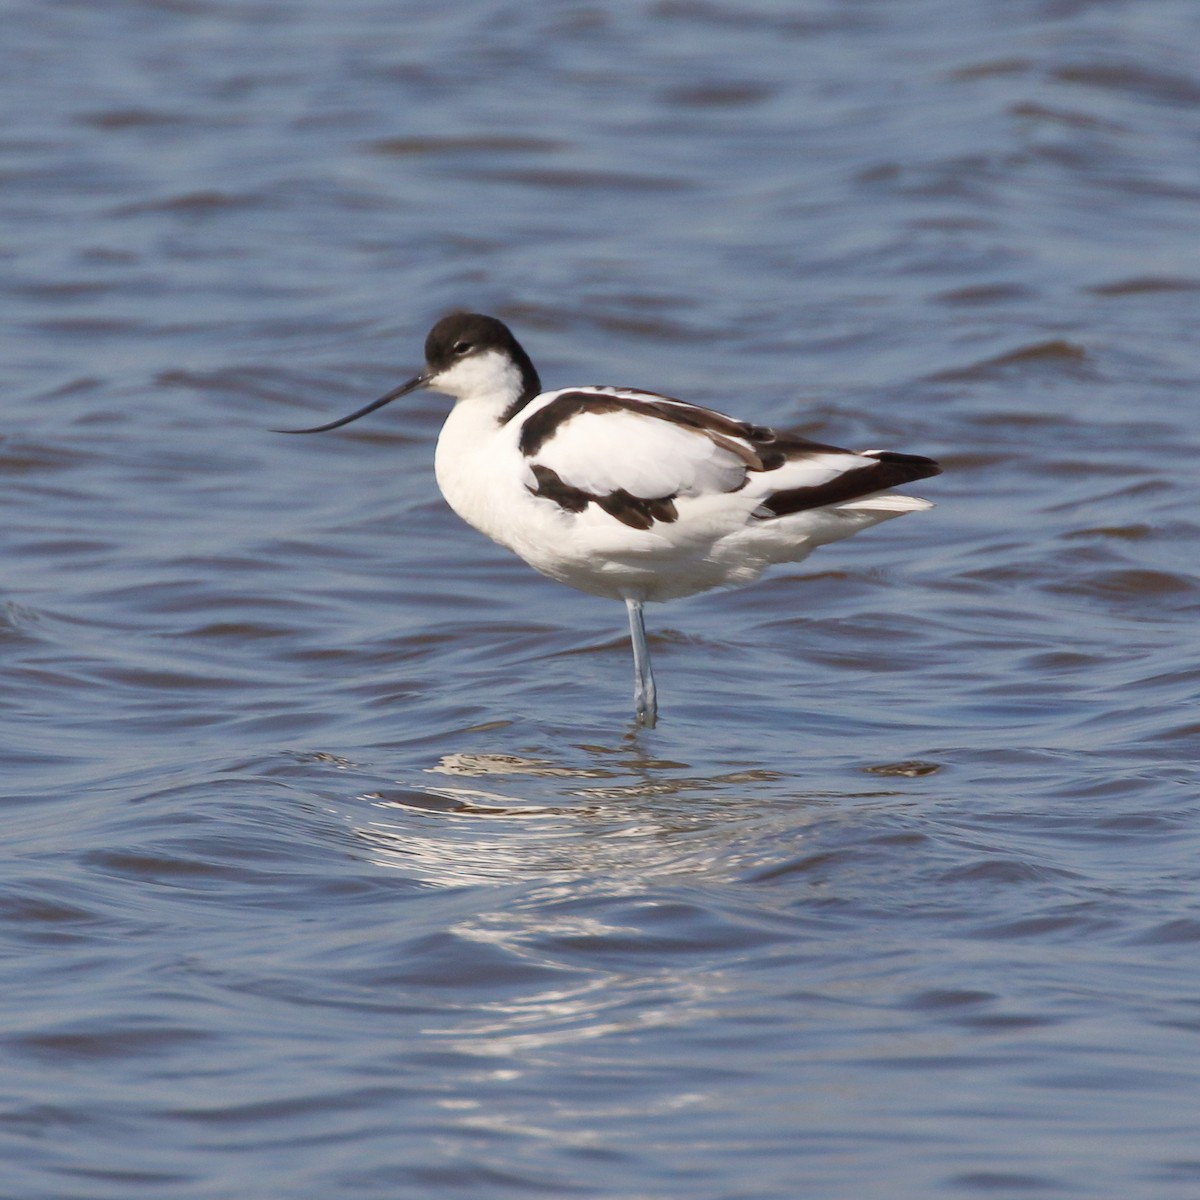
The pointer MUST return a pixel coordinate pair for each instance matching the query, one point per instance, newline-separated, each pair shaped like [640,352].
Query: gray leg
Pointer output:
[645,701]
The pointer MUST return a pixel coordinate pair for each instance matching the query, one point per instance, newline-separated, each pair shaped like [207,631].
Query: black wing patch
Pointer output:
[889,470]
[629,509]
[551,487]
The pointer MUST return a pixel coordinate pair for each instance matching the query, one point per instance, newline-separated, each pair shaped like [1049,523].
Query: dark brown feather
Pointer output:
[889,470]
[630,510]
[551,487]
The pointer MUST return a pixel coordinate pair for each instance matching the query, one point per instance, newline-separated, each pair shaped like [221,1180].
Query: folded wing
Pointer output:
[635,453]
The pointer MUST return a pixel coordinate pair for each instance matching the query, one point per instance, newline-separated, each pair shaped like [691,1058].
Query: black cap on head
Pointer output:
[461,334]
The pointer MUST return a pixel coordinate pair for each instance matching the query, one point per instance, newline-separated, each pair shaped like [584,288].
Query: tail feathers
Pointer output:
[889,503]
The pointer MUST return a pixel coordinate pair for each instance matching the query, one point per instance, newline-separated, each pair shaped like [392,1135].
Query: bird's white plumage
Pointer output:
[716,540]
[629,494]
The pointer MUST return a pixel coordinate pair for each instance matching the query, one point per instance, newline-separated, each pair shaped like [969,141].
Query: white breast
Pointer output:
[480,471]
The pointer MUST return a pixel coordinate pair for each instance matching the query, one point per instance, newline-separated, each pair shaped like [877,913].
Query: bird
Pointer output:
[629,494]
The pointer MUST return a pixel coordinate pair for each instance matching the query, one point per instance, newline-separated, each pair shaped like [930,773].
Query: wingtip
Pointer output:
[914,466]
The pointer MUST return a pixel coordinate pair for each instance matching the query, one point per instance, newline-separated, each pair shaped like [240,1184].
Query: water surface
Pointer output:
[334,863]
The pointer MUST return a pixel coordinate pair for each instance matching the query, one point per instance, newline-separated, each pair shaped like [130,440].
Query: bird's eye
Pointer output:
[463,347]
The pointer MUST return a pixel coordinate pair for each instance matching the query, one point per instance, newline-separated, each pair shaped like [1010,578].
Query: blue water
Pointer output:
[334,864]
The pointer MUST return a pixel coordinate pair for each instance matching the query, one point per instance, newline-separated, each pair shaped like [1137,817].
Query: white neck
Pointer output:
[490,377]
[476,460]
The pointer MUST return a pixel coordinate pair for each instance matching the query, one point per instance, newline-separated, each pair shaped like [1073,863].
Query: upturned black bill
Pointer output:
[411,386]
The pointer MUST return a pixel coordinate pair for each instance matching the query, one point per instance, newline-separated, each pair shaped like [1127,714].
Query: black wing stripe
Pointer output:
[551,486]
[768,448]
[637,512]
[547,421]
[634,511]
[889,470]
